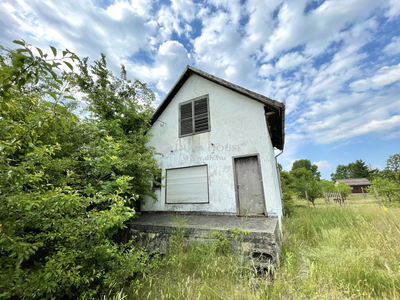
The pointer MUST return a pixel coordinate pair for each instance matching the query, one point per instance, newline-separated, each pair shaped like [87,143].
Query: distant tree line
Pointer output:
[304,178]
[387,181]
[357,169]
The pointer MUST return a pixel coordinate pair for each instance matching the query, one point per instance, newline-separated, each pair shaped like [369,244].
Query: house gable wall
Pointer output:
[238,127]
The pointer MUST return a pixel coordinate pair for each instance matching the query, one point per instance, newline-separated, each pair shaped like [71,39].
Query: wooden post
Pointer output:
[377,197]
[341,197]
[308,203]
[323,192]
[362,189]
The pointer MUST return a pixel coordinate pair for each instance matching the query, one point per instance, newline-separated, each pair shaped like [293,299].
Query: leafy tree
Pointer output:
[357,169]
[63,192]
[392,167]
[306,164]
[122,109]
[393,163]
[342,172]
[280,167]
[397,175]
[304,180]
[286,184]
[328,186]
[344,189]
[387,187]
[384,174]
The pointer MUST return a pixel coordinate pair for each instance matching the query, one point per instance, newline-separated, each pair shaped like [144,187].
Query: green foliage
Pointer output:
[222,244]
[287,180]
[342,172]
[342,253]
[393,163]
[306,164]
[64,193]
[358,169]
[305,181]
[122,109]
[392,168]
[344,189]
[330,252]
[56,244]
[328,186]
[386,187]
[195,270]
[385,173]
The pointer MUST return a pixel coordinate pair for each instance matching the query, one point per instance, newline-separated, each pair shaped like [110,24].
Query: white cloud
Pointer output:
[266,70]
[120,9]
[336,88]
[383,76]
[393,47]
[292,102]
[172,59]
[185,8]
[323,164]
[290,61]
[394,10]
[319,28]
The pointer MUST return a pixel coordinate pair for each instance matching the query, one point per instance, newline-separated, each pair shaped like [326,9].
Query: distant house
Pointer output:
[217,142]
[355,183]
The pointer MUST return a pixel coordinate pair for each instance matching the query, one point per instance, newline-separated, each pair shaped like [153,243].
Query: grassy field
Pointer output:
[329,252]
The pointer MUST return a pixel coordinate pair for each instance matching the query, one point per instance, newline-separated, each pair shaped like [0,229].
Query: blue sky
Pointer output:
[336,64]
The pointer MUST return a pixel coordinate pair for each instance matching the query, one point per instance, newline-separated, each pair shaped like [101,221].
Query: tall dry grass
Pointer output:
[329,252]
[332,252]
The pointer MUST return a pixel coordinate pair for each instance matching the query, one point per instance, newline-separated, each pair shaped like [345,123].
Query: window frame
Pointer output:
[157,181]
[193,118]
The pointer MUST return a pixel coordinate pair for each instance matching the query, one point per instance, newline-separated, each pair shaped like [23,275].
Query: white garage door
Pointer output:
[187,185]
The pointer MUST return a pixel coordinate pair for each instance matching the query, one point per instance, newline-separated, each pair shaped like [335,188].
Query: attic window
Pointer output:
[194,116]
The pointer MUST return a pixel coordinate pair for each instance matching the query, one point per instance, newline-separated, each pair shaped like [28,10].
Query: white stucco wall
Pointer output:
[238,127]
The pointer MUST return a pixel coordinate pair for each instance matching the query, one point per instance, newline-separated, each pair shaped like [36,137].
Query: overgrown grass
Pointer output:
[333,252]
[197,271]
[329,252]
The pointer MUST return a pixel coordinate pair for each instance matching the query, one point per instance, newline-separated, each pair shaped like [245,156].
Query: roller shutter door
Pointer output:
[187,185]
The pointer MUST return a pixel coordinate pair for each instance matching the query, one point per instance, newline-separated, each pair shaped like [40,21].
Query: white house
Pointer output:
[217,142]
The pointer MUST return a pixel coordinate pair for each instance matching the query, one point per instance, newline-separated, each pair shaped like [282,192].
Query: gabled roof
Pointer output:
[355,181]
[275,111]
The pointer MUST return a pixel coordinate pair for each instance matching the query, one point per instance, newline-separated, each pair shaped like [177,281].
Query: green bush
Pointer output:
[386,188]
[64,193]
[53,244]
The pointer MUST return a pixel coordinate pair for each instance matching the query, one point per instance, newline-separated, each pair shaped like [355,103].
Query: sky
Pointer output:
[336,64]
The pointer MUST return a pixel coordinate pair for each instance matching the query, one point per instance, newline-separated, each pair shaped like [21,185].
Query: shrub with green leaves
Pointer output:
[386,187]
[305,181]
[64,193]
[344,189]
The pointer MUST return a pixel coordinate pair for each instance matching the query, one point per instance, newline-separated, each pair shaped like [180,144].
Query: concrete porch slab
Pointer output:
[202,221]
[262,239]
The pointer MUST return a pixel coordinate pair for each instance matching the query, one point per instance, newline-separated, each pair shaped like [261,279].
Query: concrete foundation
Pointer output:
[261,241]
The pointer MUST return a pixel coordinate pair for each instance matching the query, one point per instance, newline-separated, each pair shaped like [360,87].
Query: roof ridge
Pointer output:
[278,134]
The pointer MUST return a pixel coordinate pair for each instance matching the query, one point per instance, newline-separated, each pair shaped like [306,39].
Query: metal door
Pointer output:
[249,189]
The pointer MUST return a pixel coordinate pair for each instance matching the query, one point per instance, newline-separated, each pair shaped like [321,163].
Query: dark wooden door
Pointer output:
[249,186]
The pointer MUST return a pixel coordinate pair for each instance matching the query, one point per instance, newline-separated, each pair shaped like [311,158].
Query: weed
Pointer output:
[329,252]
